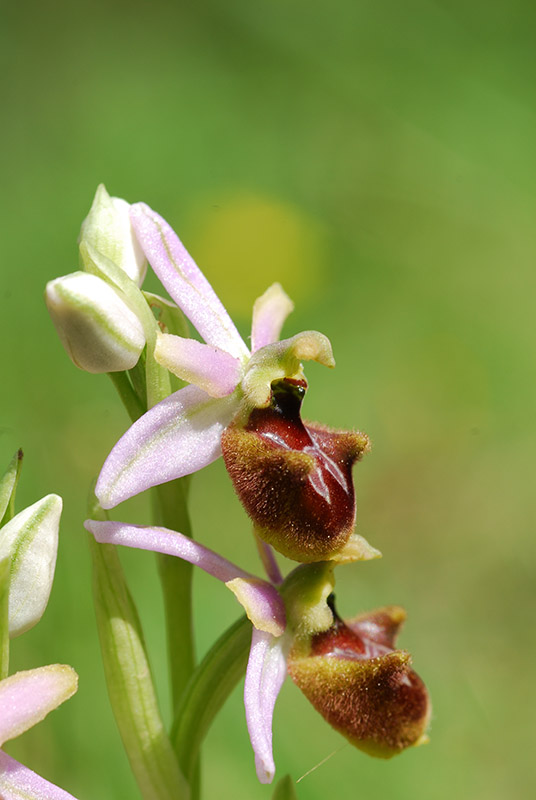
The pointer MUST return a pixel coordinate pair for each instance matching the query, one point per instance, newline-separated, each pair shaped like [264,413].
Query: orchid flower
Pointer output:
[182,434]
[296,630]
[25,699]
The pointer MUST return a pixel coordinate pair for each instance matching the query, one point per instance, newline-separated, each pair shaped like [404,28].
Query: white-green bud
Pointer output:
[108,230]
[97,328]
[30,541]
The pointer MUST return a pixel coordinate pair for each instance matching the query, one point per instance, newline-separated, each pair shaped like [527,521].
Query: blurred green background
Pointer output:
[378,159]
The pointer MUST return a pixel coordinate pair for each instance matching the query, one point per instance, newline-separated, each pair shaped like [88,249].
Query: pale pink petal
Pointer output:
[184,280]
[27,697]
[265,675]
[174,438]
[269,314]
[212,369]
[262,602]
[269,561]
[20,783]
[163,540]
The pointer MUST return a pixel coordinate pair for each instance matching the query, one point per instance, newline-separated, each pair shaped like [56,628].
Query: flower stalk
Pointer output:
[5,566]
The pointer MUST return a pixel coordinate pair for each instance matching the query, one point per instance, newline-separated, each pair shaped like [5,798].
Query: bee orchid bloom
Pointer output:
[350,672]
[25,699]
[182,434]
[241,394]
[364,687]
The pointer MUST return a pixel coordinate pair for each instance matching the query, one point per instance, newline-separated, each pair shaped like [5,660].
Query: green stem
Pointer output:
[131,401]
[210,685]
[5,569]
[176,577]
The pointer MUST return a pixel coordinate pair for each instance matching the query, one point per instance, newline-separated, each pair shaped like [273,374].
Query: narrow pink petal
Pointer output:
[269,561]
[265,674]
[20,783]
[184,280]
[163,540]
[28,696]
[174,438]
[212,369]
[261,601]
[269,314]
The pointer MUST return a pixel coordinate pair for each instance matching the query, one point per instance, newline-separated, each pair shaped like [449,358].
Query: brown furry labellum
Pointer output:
[294,478]
[361,685]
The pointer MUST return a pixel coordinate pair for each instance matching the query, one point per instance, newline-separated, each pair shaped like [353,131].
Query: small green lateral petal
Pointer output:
[283,360]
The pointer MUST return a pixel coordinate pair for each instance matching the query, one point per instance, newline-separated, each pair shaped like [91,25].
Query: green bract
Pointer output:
[30,541]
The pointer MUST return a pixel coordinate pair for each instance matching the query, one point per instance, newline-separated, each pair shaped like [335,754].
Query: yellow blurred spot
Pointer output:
[244,242]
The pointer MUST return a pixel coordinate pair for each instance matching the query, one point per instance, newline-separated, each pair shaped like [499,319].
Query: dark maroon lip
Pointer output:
[294,478]
[370,637]
[281,426]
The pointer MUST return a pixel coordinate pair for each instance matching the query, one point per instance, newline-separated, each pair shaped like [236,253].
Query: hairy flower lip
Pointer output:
[363,686]
[294,478]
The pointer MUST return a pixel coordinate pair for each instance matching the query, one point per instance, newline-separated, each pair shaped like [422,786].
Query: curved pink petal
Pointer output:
[269,561]
[261,601]
[265,675]
[174,438]
[28,696]
[269,314]
[184,280]
[20,783]
[163,540]
[212,369]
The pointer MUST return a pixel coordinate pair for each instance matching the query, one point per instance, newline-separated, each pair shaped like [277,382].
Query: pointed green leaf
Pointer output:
[8,487]
[285,789]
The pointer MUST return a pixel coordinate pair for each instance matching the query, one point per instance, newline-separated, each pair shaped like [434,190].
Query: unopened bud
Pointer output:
[294,478]
[98,330]
[107,229]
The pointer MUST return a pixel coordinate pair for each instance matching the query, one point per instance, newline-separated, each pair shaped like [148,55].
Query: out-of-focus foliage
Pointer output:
[378,159]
